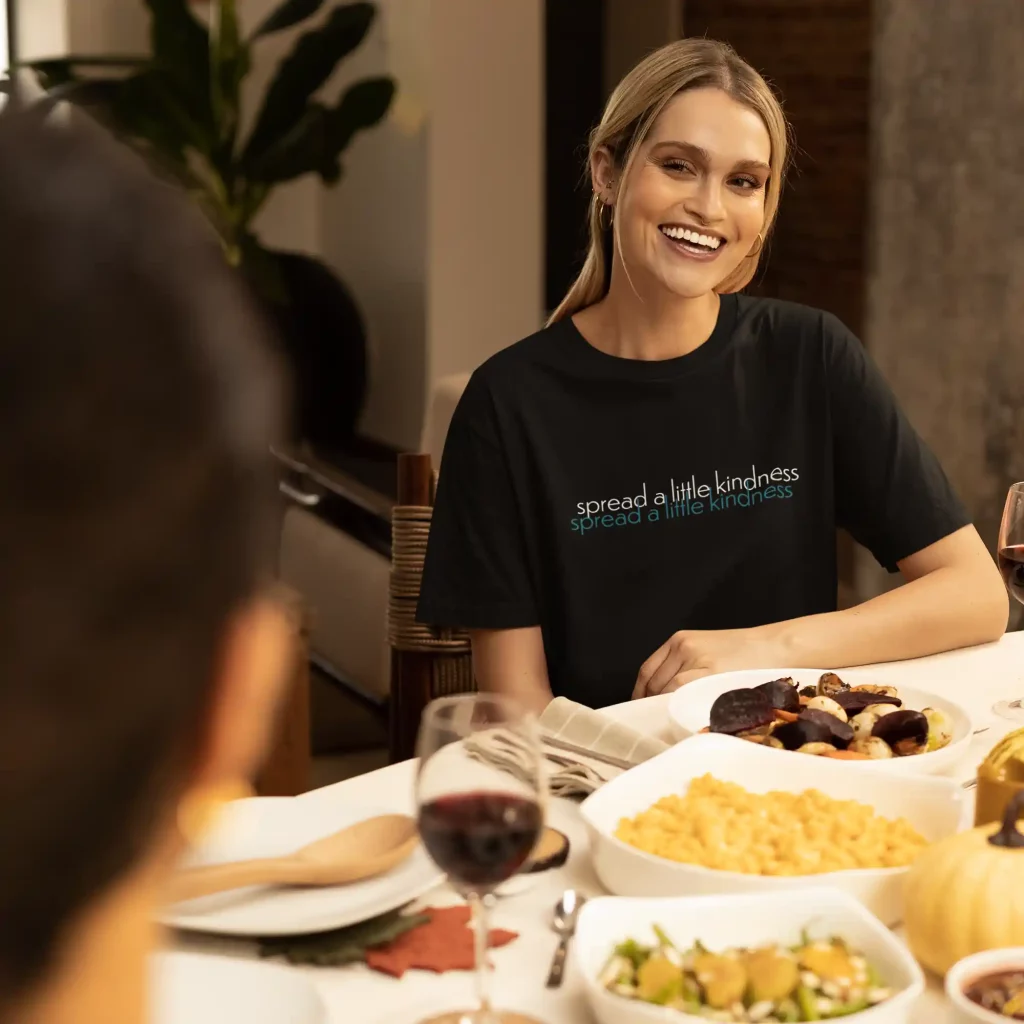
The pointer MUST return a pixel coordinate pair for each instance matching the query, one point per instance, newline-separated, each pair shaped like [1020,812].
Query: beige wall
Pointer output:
[375,223]
[42,27]
[485,219]
[437,225]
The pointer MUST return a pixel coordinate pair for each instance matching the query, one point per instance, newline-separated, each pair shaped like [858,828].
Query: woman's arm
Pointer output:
[512,662]
[953,597]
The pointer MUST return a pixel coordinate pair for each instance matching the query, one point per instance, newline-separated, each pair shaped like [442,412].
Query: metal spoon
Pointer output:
[567,910]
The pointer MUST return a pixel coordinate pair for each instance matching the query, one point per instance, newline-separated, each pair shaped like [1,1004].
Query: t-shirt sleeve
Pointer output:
[476,574]
[891,492]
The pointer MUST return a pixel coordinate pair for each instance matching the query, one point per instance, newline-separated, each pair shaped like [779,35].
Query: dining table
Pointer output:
[976,678]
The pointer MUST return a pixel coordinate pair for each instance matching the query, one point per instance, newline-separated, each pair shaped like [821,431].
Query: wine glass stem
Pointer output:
[481,935]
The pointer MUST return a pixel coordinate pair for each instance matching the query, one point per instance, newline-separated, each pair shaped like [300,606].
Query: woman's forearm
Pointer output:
[948,608]
[512,662]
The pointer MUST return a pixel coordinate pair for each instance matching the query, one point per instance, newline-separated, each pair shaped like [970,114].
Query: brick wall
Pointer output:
[817,55]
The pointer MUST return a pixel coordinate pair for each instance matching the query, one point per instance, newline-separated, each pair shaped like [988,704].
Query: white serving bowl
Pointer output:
[965,972]
[748,920]
[934,806]
[689,711]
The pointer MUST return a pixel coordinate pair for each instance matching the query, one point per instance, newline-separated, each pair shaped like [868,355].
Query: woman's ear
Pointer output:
[257,653]
[604,175]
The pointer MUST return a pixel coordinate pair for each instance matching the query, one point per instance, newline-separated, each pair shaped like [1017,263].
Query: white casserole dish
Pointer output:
[934,806]
[748,920]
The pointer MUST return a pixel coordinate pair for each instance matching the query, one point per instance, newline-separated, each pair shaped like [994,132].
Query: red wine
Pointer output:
[1011,565]
[480,839]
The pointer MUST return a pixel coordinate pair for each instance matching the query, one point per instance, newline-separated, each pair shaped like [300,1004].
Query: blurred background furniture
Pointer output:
[336,552]
[287,770]
[426,662]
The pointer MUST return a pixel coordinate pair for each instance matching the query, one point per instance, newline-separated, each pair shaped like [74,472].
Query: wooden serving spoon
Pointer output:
[359,851]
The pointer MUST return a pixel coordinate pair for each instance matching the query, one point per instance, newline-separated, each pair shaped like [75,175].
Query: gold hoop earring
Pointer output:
[600,213]
[760,246]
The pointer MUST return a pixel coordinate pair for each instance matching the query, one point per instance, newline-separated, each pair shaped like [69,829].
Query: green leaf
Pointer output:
[291,12]
[315,56]
[315,144]
[344,945]
[149,107]
[181,49]
[229,60]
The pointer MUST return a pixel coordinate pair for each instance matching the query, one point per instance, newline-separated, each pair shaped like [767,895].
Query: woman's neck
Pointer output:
[661,326]
[101,974]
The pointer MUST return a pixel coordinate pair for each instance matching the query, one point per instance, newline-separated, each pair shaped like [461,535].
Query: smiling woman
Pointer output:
[652,362]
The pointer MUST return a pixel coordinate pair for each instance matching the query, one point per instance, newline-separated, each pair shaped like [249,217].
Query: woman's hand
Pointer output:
[692,653]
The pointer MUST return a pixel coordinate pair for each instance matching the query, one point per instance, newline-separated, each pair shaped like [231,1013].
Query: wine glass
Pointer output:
[479,823]
[1010,555]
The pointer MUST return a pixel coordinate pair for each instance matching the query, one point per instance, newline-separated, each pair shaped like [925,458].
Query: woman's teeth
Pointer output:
[710,242]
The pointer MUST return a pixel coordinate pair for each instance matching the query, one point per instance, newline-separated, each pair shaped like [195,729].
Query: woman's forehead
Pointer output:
[710,120]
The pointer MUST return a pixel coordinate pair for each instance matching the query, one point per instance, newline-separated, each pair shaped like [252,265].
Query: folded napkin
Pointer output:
[569,774]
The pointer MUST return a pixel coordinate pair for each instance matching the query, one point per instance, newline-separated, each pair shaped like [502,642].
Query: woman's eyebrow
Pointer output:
[704,157]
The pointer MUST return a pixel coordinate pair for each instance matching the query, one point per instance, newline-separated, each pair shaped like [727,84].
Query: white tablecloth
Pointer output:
[355,995]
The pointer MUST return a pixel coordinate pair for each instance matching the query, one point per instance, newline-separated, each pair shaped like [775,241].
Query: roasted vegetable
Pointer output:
[940,728]
[905,731]
[721,978]
[818,749]
[782,693]
[773,974]
[741,710]
[793,735]
[829,706]
[853,702]
[840,732]
[873,746]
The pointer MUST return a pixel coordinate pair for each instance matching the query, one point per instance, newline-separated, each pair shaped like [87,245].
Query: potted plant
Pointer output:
[181,106]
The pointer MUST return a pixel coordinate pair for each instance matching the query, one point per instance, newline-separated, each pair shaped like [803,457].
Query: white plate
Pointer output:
[271,826]
[689,709]
[934,806]
[750,920]
[189,988]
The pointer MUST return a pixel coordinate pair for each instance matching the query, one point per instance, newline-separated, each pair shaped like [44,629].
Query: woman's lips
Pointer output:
[692,251]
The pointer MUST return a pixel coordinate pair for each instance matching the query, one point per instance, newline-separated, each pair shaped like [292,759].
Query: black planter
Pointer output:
[324,337]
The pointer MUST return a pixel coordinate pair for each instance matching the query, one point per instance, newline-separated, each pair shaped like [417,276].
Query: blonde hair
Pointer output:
[630,113]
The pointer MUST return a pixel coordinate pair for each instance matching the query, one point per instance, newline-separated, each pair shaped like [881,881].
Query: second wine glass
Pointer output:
[478,822]
[1010,555]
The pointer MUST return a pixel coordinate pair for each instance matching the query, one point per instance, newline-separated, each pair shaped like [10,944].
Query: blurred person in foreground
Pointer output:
[142,654]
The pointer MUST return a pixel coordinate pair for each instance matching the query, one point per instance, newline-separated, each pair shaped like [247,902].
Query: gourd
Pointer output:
[965,894]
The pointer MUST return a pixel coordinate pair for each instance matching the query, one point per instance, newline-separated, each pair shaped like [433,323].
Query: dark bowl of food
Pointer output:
[988,987]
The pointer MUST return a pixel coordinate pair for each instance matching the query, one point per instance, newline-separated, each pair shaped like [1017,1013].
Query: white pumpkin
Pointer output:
[965,894]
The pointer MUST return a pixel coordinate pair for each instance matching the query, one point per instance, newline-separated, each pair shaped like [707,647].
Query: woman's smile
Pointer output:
[693,243]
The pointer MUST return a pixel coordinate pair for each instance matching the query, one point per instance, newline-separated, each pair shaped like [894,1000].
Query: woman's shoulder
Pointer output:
[794,322]
[517,363]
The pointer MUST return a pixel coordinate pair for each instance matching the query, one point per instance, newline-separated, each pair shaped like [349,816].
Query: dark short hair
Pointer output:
[138,402]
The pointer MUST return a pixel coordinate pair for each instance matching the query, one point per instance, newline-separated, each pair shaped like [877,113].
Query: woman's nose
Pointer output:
[705,202]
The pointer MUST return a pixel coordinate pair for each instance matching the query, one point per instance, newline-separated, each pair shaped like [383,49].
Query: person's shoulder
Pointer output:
[784,320]
[795,329]
[517,363]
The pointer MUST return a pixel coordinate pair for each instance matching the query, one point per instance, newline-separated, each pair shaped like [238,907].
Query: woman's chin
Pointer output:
[691,282]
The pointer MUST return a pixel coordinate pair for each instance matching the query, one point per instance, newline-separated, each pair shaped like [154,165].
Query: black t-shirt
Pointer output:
[614,501]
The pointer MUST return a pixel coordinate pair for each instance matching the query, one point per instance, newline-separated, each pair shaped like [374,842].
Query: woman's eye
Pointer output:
[746,183]
[677,165]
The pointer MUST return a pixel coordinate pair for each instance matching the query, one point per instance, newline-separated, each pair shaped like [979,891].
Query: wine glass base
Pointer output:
[479,1017]
[1012,710]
